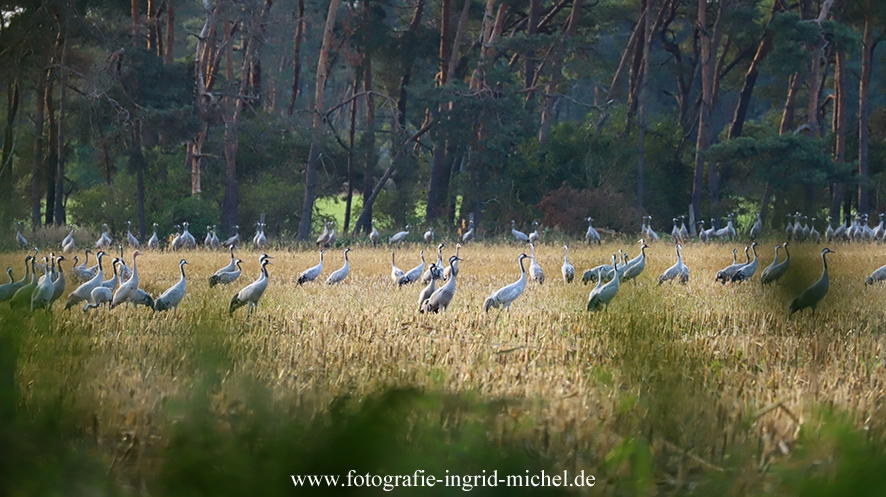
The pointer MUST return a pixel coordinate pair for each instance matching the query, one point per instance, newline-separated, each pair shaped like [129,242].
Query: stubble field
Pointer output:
[703,388]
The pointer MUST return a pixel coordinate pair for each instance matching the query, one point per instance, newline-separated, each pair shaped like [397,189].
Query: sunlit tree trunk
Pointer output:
[839,129]
[304,225]
[37,151]
[868,45]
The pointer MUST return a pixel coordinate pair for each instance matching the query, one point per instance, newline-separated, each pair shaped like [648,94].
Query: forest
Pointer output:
[431,112]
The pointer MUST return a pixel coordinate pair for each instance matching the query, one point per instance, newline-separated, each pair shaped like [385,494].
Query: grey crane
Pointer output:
[591,236]
[80,271]
[374,235]
[426,277]
[757,228]
[805,230]
[778,270]
[829,232]
[207,241]
[251,294]
[727,232]
[878,275]
[413,274]
[768,269]
[154,241]
[729,271]
[535,271]
[174,294]
[188,240]
[429,235]
[399,236]
[453,268]
[533,237]
[469,234]
[7,287]
[104,241]
[504,296]
[177,241]
[214,242]
[813,295]
[603,271]
[142,297]
[519,235]
[228,277]
[59,284]
[98,297]
[311,273]
[10,288]
[341,273]
[879,231]
[649,232]
[324,237]
[19,238]
[711,232]
[684,233]
[42,294]
[747,271]
[702,233]
[68,244]
[635,266]
[130,238]
[396,273]
[814,235]
[676,234]
[22,296]
[233,240]
[429,289]
[259,241]
[442,297]
[798,228]
[331,241]
[84,291]
[840,231]
[232,266]
[129,287]
[789,229]
[125,272]
[604,295]
[567,269]
[678,271]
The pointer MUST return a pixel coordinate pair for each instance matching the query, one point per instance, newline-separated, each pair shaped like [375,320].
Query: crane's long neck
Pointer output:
[824,262]
[522,268]
[182,268]
[566,257]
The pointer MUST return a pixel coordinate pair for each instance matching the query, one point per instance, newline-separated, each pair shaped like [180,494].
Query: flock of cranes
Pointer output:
[122,287]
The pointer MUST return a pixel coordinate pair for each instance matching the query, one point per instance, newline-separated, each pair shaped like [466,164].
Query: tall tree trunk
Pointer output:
[51,160]
[37,157]
[556,72]
[351,153]
[137,159]
[641,101]
[134,12]
[367,139]
[205,67]
[438,185]
[703,141]
[790,104]
[867,60]
[304,225]
[839,129]
[529,65]
[750,79]
[60,216]
[169,55]
[12,102]
[296,59]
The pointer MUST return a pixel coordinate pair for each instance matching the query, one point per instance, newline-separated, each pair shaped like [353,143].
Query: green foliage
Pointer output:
[792,35]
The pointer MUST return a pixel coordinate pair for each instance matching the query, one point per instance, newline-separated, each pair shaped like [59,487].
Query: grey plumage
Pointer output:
[813,295]
[154,241]
[426,276]
[22,296]
[104,241]
[6,287]
[311,273]
[429,235]
[757,228]
[729,271]
[399,236]
[215,279]
[469,234]
[776,271]
[128,288]
[519,235]
[453,268]
[601,296]
[234,240]
[679,271]
[188,241]
[878,275]
[533,237]
[174,294]
[747,271]
[429,289]
[228,277]
[251,294]
[340,274]
[567,269]
[535,271]
[592,236]
[504,296]
[635,267]
[442,297]
[84,291]
[59,284]
[19,238]
[130,238]
[396,273]
[413,274]
[374,235]
[42,294]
